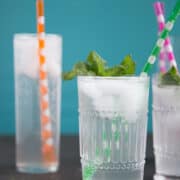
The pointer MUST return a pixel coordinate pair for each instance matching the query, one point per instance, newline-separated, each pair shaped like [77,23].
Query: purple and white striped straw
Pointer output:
[167,49]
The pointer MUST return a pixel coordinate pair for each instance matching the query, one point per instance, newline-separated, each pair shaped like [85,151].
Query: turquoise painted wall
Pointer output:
[113,28]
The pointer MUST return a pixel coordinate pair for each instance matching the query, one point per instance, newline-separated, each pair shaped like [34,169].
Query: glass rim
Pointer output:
[26,36]
[128,78]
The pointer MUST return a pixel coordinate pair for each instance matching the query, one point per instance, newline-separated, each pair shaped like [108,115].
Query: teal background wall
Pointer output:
[112,28]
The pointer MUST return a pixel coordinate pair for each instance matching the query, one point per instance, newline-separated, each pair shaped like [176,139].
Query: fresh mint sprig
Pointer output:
[172,77]
[95,65]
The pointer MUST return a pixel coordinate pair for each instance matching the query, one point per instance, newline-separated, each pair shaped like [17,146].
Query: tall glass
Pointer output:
[29,156]
[113,127]
[166,128]
[166,123]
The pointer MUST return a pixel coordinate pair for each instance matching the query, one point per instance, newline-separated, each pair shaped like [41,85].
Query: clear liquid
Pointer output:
[166,129]
[112,129]
[118,175]
[113,157]
[28,128]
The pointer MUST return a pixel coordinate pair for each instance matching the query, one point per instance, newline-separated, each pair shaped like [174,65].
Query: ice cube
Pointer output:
[124,98]
[28,68]
[31,69]
[134,102]
[105,106]
[90,90]
[53,68]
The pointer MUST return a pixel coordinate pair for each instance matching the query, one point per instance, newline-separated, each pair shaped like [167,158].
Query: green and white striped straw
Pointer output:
[89,170]
[160,42]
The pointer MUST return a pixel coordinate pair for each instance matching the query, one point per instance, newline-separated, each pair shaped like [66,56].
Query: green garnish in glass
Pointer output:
[172,77]
[95,65]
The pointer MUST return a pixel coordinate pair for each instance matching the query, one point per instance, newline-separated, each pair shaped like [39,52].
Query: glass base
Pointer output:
[118,175]
[110,174]
[37,169]
[164,177]
[167,166]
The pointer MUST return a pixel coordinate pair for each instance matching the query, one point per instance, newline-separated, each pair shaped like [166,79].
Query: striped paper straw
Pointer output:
[159,11]
[48,150]
[170,52]
[161,40]
[167,45]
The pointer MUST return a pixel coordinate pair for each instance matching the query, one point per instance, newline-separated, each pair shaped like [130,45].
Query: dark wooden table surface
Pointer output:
[70,168]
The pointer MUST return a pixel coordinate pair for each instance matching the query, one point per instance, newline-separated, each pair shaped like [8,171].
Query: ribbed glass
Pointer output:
[166,128]
[113,127]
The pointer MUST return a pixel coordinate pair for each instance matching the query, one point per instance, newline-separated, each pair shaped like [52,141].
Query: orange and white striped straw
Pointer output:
[48,149]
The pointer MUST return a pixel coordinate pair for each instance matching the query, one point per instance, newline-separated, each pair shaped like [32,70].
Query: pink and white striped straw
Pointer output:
[159,11]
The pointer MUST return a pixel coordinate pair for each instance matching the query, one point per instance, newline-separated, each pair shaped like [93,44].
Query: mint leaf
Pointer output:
[129,65]
[126,67]
[69,75]
[172,77]
[91,73]
[96,63]
[79,69]
[115,71]
[83,69]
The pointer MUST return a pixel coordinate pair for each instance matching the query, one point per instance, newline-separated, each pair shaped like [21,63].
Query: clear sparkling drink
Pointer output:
[113,125]
[166,128]
[27,101]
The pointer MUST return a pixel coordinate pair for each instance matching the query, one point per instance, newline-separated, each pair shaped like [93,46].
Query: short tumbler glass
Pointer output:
[113,127]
